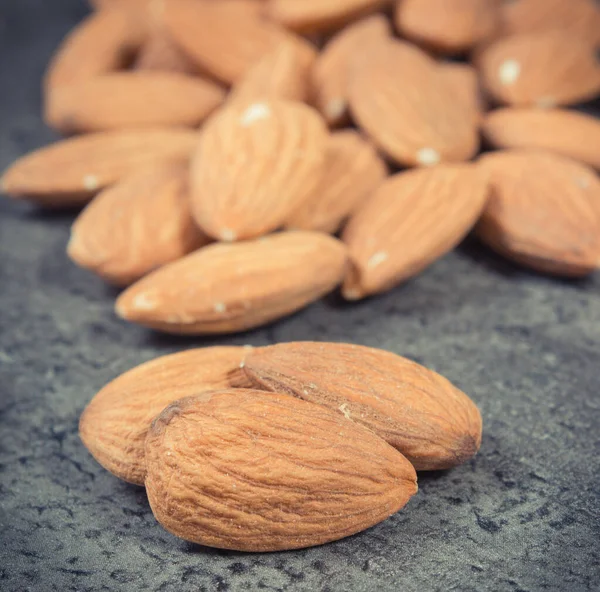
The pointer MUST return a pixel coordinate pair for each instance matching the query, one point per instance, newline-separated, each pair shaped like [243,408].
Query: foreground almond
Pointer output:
[225,288]
[72,171]
[132,100]
[353,170]
[332,68]
[400,100]
[411,220]
[542,69]
[137,226]
[247,471]
[464,82]
[255,164]
[543,211]
[569,133]
[113,426]
[419,412]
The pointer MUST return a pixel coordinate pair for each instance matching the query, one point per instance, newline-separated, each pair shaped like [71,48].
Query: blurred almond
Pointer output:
[542,69]
[411,220]
[283,73]
[309,16]
[255,164]
[132,100]
[331,71]
[447,26]
[353,169]
[400,100]
[139,224]
[159,53]
[566,132]
[464,81]
[543,211]
[70,172]
[226,38]
[417,411]
[104,42]
[114,425]
[224,288]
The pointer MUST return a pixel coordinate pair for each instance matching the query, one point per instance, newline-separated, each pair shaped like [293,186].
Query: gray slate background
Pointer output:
[523,516]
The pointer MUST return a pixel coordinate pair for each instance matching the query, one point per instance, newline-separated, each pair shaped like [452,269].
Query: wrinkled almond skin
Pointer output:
[420,413]
[132,100]
[104,42]
[283,73]
[410,221]
[72,171]
[254,165]
[224,38]
[137,226]
[542,69]
[311,16]
[565,132]
[225,288]
[353,170]
[113,426]
[399,99]
[333,66]
[249,471]
[543,211]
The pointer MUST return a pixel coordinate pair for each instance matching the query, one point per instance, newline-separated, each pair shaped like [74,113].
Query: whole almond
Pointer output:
[464,82]
[225,38]
[160,53]
[399,98]
[310,16]
[132,100]
[71,171]
[225,288]
[137,225]
[104,42]
[447,26]
[353,170]
[331,70]
[255,164]
[542,69]
[411,220]
[113,426]
[419,412]
[243,470]
[543,211]
[581,18]
[283,73]
[569,133]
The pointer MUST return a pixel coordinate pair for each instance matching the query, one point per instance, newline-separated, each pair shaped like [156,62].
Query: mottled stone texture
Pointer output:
[523,516]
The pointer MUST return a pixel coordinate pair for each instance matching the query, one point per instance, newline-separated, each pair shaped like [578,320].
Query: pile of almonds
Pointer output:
[278,447]
[221,143]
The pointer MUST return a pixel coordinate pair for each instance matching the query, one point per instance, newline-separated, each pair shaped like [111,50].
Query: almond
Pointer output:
[255,164]
[114,425]
[225,38]
[581,18]
[353,169]
[542,69]
[70,172]
[137,225]
[104,42]
[311,16]
[242,470]
[132,100]
[399,99]
[543,212]
[417,411]
[159,53]
[447,26]
[331,71]
[283,73]
[411,220]
[225,288]
[569,133]
[464,81]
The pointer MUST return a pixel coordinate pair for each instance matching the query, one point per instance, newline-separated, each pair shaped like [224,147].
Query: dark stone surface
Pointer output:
[523,516]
